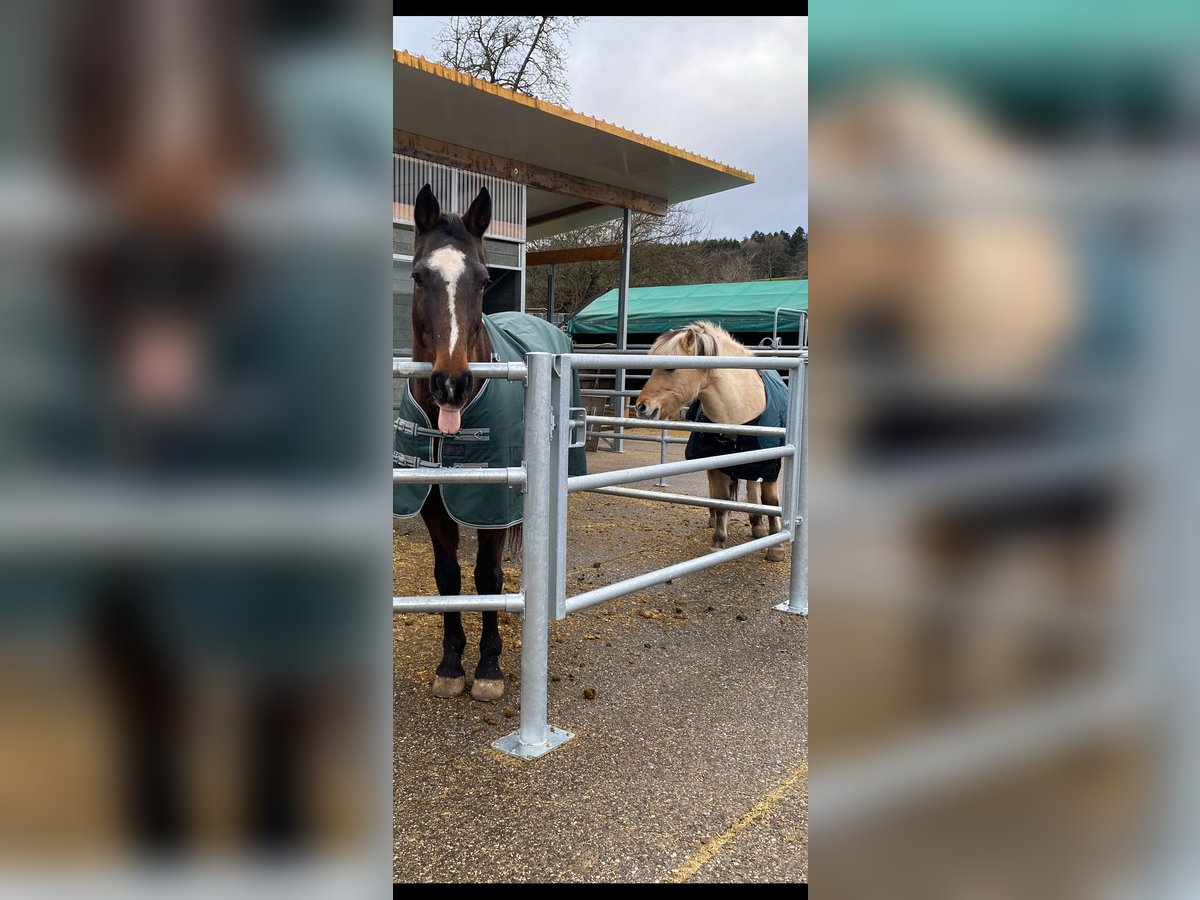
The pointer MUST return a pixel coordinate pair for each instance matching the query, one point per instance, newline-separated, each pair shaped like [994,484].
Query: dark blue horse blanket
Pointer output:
[774,415]
[492,433]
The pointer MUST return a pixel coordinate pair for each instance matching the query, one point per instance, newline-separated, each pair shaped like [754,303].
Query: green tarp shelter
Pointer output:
[741,306]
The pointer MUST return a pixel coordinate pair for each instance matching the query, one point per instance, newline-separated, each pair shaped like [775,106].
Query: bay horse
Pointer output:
[450,273]
[728,396]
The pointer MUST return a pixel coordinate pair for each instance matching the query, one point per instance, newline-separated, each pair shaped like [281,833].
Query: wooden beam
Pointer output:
[561,213]
[572,255]
[430,150]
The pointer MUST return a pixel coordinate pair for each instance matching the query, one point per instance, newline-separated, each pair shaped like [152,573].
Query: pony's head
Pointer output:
[450,271]
[669,390]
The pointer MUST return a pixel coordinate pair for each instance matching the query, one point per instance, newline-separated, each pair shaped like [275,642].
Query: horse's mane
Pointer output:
[710,337]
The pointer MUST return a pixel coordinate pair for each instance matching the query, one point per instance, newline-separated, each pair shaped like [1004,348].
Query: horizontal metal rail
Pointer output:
[634,361]
[683,467]
[916,769]
[755,509]
[93,518]
[469,603]
[699,564]
[606,392]
[684,425]
[511,475]
[974,476]
[510,371]
[653,438]
[642,348]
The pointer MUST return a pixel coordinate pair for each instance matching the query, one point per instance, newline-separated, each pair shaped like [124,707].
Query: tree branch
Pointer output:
[533,45]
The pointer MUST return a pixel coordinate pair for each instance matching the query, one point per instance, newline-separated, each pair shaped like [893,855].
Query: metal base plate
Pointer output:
[783,607]
[511,743]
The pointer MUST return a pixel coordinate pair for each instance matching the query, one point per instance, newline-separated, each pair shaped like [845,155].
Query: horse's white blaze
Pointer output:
[449,264]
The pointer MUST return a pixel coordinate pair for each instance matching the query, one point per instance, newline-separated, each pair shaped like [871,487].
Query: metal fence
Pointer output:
[634,380]
[552,427]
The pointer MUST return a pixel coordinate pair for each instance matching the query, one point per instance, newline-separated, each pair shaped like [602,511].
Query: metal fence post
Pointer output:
[560,439]
[662,458]
[796,499]
[620,403]
[534,736]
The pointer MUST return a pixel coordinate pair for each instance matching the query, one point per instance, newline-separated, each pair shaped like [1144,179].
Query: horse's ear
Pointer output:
[427,212]
[687,343]
[479,216]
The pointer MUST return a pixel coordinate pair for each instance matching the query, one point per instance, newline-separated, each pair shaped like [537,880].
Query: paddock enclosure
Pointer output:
[616,643]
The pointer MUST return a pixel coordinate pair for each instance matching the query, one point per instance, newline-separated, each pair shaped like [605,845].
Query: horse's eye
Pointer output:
[669,371]
[416,276]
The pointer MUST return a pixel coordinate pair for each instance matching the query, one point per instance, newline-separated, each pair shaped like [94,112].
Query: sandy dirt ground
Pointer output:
[688,702]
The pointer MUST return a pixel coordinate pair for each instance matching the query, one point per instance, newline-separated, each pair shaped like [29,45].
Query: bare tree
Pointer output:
[681,223]
[522,53]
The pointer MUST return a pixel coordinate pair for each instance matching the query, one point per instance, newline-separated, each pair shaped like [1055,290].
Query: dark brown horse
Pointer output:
[450,272]
[162,124]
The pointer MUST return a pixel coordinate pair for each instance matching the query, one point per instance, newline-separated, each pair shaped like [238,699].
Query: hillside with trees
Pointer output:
[665,251]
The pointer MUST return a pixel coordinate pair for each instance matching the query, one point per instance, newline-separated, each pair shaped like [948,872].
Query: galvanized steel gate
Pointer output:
[552,427]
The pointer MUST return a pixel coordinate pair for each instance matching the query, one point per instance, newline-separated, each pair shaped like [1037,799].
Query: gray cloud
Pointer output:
[733,89]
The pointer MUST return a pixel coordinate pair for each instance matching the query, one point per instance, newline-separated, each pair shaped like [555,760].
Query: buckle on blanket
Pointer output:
[404,461]
[482,435]
[406,426]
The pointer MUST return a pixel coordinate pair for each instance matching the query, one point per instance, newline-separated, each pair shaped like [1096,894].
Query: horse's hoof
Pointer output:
[717,545]
[759,531]
[776,554]
[448,687]
[486,689]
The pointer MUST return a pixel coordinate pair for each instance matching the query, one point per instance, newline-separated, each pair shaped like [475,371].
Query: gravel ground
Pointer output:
[688,701]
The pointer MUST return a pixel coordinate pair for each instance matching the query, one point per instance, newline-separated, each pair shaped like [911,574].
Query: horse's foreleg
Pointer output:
[489,579]
[720,487]
[770,495]
[450,680]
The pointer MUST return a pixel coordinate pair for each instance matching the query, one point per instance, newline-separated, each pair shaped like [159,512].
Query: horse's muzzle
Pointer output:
[644,413]
[449,390]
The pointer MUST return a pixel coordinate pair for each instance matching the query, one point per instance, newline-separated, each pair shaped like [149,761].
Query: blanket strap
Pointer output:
[404,461]
[405,426]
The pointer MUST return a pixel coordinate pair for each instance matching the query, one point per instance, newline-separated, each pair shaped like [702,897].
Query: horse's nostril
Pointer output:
[641,407]
[444,387]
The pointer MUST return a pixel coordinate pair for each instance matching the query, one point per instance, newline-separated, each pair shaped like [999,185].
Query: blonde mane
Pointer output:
[711,338]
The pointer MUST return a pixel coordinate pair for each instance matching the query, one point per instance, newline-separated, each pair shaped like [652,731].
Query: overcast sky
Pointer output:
[732,89]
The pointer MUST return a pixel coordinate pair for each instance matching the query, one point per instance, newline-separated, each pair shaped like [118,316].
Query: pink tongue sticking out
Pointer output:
[449,420]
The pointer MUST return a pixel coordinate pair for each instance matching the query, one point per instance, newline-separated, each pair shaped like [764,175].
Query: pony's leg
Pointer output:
[712,513]
[450,680]
[720,487]
[758,527]
[489,579]
[770,495]
[712,492]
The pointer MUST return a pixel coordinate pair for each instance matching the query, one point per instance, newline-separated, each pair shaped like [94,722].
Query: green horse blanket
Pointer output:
[492,433]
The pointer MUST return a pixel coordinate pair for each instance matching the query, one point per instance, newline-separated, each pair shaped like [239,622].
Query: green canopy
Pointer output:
[736,306]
